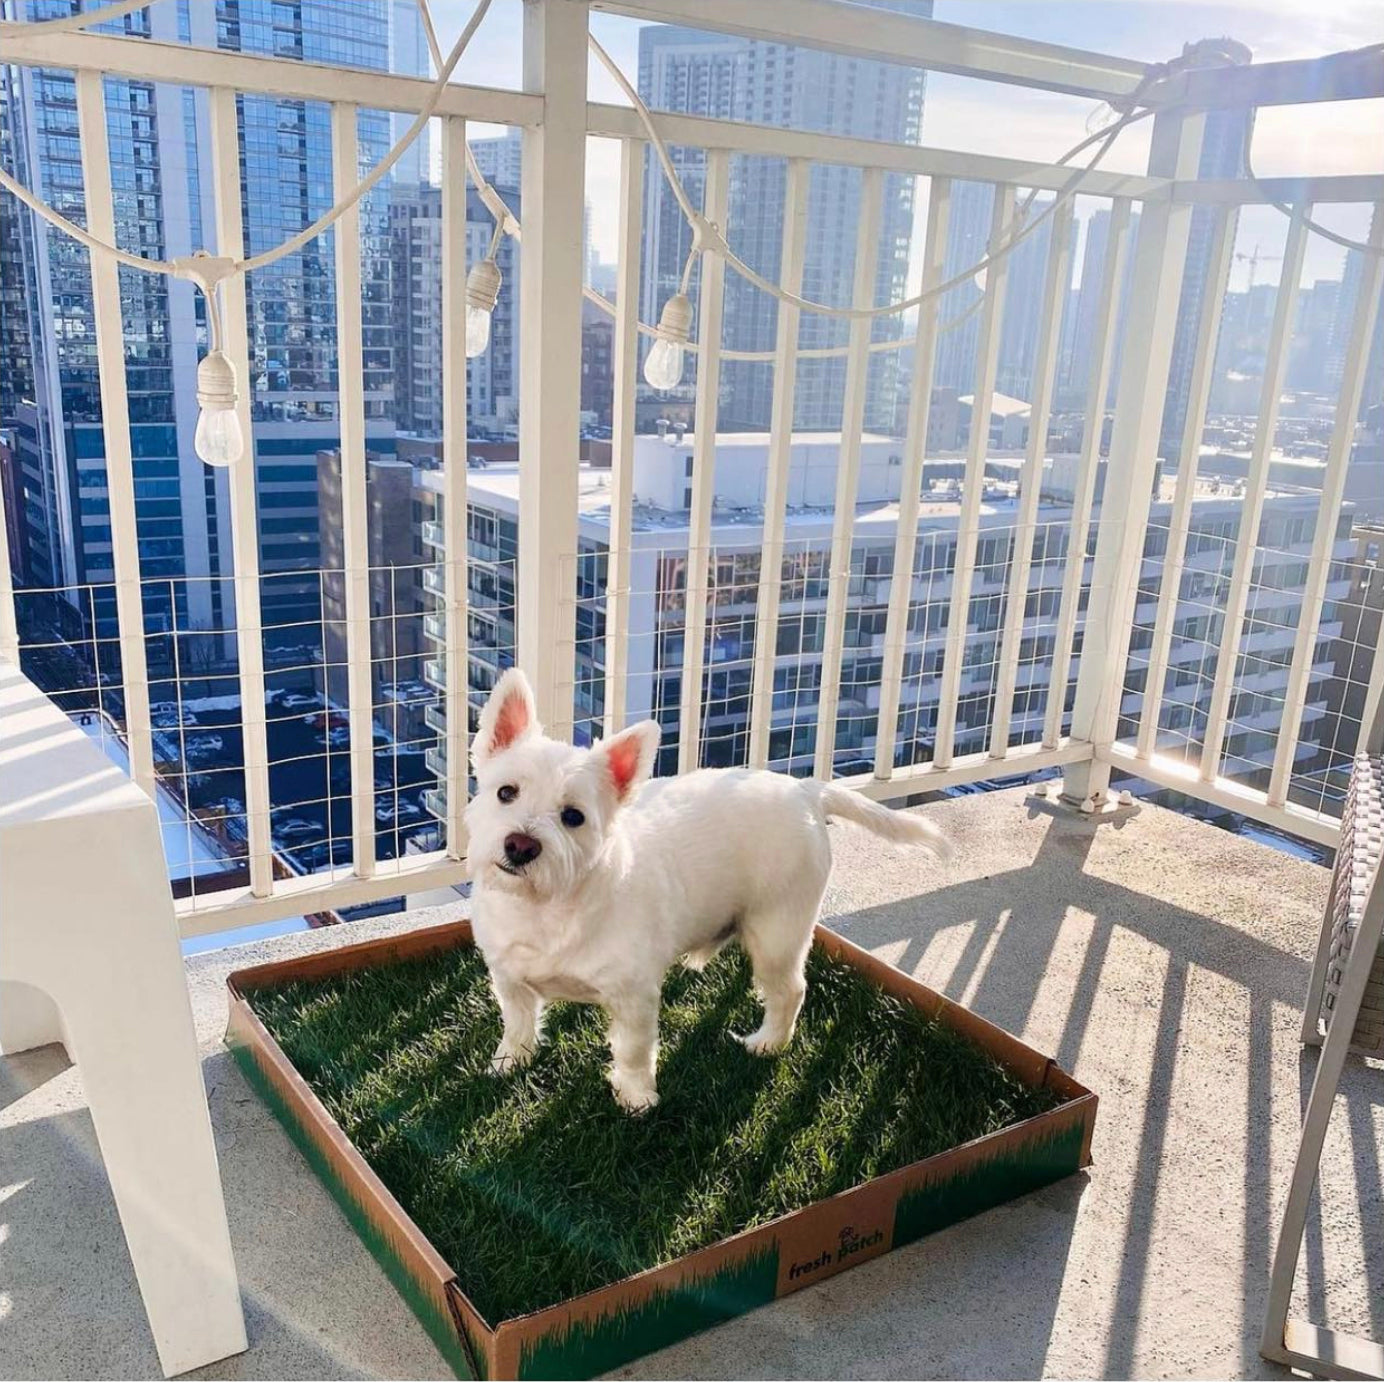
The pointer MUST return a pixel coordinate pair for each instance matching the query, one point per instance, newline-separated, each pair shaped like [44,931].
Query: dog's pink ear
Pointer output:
[509,716]
[628,757]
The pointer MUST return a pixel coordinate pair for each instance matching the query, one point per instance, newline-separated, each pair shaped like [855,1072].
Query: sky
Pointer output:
[983,117]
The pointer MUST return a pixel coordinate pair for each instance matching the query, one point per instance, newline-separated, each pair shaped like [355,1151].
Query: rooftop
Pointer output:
[1136,949]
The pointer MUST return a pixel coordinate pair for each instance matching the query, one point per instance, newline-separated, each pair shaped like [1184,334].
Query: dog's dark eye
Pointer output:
[507,793]
[572,818]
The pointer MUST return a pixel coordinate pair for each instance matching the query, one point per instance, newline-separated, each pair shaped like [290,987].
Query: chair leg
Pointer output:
[28,1018]
[1330,1064]
[137,1055]
[1316,984]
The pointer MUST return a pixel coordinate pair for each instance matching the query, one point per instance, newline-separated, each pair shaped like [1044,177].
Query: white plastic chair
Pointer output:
[89,957]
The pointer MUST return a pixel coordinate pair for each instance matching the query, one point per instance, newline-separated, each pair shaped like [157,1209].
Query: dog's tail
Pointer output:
[900,827]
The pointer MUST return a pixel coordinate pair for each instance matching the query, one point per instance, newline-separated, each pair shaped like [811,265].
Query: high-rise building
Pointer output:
[160,168]
[1023,306]
[698,73]
[500,159]
[492,376]
[1339,335]
[655,608]
[1225,144]
[968,237]
[62,442]
[1085,305]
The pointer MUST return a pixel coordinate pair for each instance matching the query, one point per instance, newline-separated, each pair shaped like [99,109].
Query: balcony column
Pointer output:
[1155,289]
[552,191]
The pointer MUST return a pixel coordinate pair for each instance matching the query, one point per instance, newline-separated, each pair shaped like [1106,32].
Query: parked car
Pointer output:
[296,700]
[297,828]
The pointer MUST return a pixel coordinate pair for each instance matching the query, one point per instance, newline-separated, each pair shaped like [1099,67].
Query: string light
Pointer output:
[482,291]
[218,439]
[663,366]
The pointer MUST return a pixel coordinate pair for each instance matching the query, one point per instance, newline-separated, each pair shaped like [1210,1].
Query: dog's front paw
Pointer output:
[762,1043]
[508,1058]
[634,1093]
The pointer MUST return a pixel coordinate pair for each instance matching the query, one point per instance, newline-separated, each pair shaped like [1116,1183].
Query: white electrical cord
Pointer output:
[705,235]
[219,439]
[294,242]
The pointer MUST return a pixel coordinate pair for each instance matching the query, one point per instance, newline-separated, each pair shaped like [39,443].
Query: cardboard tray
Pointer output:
[603,1329]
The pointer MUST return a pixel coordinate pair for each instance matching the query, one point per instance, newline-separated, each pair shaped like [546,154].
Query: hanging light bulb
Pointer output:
[218,439]
[663,366]
[482,289]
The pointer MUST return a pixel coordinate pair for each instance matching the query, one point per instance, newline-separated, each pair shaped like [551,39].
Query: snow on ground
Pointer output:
[190,852]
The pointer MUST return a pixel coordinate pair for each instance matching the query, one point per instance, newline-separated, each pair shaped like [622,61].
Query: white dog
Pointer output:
[589,885]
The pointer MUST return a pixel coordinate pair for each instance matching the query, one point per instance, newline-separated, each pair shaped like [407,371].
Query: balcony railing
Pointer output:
[1100,695]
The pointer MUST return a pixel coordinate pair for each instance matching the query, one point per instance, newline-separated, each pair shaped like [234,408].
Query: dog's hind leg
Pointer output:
[777,941]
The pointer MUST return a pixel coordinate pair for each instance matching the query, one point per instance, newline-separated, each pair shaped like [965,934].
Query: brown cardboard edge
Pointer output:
[499,1341]
[883,1192]
[361,955]
[1025,1061]
[351,1168]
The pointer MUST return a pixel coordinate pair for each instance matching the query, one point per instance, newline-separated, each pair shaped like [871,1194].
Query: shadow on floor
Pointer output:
[1014,919]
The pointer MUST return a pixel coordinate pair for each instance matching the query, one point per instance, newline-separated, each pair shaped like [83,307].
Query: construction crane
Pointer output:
[1252,259]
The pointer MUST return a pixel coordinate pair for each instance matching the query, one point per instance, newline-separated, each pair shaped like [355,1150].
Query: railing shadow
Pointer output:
[1019,924]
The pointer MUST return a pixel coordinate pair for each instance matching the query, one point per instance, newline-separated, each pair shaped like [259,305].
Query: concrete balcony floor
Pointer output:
[1161,960]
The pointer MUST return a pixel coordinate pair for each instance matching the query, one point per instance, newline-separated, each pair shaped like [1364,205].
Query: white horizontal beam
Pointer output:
[28,45]
[1178,776]
[141,60]
[207,913]
[972,767]
[740,137]
[1351,76]
[883,36]
[1323,190]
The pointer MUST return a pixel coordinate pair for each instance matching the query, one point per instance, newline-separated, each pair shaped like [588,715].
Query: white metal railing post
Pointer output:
[911,482]
[552,193]
[115,418]
[455,541]
[710,300]
[625,366]
[794,247]
[848,469]
[230,240]
[1338,453]
[1102,349]
[355,544]
[1256,483]
[1055,287]
[973,484]
[1155,290]
[1219,258]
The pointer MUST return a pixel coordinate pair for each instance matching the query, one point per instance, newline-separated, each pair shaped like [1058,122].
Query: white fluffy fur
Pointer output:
[657,871]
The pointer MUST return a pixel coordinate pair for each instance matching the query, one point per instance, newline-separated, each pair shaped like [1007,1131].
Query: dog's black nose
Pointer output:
[521,849]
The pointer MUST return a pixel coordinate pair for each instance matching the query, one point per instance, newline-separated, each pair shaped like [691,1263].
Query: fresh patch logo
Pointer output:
[849,1244]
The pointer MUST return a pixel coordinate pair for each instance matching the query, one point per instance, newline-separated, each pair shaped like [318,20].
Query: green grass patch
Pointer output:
[536,1187]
